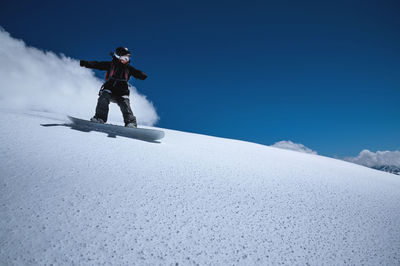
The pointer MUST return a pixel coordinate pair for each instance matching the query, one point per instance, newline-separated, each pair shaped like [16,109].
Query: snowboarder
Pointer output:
[115,89]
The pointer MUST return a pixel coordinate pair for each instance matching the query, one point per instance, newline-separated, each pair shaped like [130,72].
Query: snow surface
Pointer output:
[72,197]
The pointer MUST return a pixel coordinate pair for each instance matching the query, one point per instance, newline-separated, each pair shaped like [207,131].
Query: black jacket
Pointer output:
[117,74]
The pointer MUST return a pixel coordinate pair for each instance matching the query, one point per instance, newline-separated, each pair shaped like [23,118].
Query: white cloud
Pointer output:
[289,145]
[379,158]
[42,80]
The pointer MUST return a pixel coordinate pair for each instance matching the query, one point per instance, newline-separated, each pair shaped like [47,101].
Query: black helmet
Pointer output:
[121,51]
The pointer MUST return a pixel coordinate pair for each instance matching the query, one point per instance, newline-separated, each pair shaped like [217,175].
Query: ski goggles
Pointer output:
[124,58]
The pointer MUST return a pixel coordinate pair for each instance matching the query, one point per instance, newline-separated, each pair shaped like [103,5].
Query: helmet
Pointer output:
[121,51]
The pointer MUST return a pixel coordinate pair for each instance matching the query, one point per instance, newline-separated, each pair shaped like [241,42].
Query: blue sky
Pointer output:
[322,73]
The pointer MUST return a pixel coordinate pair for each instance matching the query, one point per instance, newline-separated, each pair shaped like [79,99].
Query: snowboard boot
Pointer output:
[97,120]
[131,125]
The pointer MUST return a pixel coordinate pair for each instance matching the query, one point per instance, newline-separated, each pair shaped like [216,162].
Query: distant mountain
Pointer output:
[388,168]
[366,158]
[388,161]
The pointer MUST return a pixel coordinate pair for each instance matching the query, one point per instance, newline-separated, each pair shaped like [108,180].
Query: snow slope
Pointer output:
[72,197]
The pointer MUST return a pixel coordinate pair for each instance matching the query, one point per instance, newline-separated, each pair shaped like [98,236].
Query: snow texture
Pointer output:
[72,197]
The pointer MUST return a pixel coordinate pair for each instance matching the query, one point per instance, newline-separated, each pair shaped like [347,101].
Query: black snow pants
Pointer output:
[123,102]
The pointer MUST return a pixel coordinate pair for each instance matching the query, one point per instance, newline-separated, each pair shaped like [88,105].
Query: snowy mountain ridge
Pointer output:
[388,168]
[74,197]
[388,161]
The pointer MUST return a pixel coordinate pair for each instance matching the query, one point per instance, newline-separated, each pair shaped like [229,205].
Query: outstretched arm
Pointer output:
[137,73]
[103,65]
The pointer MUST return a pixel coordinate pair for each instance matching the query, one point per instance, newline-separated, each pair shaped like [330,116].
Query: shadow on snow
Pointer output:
[112,132]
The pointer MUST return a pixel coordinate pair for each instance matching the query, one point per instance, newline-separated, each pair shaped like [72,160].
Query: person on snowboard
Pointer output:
[115,88]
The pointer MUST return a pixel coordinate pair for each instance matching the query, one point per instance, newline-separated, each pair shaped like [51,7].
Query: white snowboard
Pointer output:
[137,133]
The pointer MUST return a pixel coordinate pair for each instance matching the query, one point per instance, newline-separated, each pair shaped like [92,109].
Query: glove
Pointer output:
[83,63]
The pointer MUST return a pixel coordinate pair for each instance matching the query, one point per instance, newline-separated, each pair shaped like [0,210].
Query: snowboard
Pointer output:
[136,133]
